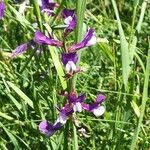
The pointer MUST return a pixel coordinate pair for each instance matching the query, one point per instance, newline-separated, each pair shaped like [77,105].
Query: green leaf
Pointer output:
[21,94]
[135,108]
[124,48]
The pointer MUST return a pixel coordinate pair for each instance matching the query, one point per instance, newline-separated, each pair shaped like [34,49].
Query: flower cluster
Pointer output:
[69,58]
[74,104]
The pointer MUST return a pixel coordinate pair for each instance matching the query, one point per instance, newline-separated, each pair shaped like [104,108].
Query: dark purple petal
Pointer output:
[20,50]
[89,39]
[67,12]
[67,110]
[72,98]
[70,20]
[40,38]
[81,98]
[57,126]
[65,57]
[2,8]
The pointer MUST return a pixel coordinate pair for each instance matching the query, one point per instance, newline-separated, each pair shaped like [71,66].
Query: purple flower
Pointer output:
[47,6]
[2,8]
[64,113]
[20,50]
[49,129]
[76,101]
[89,39]
[70,20]
[95,108]
[40,38]
[69,60]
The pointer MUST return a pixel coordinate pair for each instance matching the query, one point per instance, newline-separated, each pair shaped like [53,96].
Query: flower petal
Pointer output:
[65,57]
[20,50]
[77,107]
[70,20]
[81,98]
[46,128]
[47,6]
[40,38]
[2,8]
[100,98]
[89,39]
[70,67]
[62,118]
[98,111]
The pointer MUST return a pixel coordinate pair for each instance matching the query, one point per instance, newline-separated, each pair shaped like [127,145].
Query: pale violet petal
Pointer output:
[92,41]
[98,111]
[62,119]
[68,20]
[77,107]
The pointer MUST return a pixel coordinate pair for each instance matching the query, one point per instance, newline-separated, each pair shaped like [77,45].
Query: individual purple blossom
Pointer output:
[95,108]
[49,129]
[89,39]
[70,20]
[47,6]
[20,50]
[76,101]
[69,60]
[2,8]
[40,38]
[64,113]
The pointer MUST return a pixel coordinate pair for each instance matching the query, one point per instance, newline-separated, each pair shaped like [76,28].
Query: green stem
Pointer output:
[80,7]
[37,13]
[66,135]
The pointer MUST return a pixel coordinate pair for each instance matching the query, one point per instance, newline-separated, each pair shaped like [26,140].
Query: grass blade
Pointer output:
[21,94]
[124,47]
[144,99]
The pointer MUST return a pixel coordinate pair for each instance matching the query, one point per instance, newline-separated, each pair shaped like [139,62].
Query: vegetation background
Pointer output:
[118,66]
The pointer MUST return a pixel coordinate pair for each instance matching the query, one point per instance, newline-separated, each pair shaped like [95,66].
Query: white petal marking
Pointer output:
[77,107]
[68,20]
[70,67]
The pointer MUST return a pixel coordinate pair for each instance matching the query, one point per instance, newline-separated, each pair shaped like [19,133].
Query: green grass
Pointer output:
[118,66]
